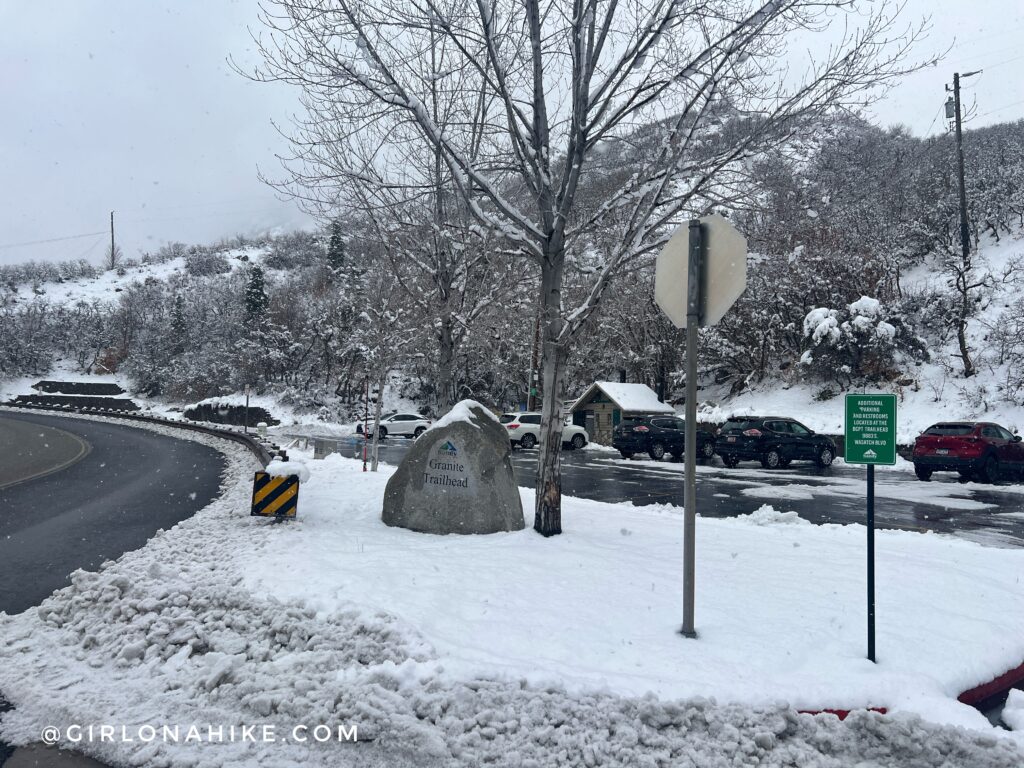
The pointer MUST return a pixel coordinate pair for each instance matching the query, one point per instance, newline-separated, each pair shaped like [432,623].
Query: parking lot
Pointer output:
[988,514]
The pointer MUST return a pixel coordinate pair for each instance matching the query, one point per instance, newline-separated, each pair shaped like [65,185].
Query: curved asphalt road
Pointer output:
[75,492]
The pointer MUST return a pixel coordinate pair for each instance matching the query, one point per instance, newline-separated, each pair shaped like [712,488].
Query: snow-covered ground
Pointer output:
[516,650]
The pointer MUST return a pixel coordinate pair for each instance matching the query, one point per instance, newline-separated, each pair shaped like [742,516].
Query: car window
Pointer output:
[779,426]
[949,430]
[798,429]
[507,418]
[1004,434]
[530,419]
[664,423]
[992,432]
[739,425]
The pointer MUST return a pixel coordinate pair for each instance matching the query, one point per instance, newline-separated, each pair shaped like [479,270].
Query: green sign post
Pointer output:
[870,429]
[870,439]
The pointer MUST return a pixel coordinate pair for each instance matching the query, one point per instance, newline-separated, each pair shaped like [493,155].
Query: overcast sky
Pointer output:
[130,106]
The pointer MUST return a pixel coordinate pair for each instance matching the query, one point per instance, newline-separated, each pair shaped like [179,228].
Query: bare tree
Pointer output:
[536,90]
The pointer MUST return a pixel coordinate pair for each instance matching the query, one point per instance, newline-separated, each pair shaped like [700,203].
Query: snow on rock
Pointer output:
[288,468]
[464,410]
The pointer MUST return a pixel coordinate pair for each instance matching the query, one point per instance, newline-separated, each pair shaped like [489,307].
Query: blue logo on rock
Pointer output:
[448,447]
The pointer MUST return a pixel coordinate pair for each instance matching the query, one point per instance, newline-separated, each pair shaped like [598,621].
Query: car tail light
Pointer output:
[752,432]
[513,426]
[641,429]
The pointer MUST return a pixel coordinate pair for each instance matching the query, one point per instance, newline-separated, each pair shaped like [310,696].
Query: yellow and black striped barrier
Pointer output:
[275,496]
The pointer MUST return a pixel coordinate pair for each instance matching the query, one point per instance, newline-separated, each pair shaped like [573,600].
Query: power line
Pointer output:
[52,240]
[1000,109]
[90,249]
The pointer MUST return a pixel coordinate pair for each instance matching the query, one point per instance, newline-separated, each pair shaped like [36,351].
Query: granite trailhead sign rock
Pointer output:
[457,478]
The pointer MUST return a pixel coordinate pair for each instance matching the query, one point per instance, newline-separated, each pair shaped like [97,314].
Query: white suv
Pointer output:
[405,424]
[524,430]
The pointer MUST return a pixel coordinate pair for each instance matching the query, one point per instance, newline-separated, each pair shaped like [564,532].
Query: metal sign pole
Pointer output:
[693,299]
[871,562]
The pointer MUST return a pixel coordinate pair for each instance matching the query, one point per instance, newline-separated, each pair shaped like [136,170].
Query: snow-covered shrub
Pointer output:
[855,343]
[295,250]
[201,261]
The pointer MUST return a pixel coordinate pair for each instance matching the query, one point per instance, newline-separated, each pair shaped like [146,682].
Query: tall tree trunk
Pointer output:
[548,512]
[445,391]
[376,417]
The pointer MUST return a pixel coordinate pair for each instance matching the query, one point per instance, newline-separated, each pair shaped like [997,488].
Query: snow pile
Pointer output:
[1013,712]
[767,515]
[287,469]
[227,620]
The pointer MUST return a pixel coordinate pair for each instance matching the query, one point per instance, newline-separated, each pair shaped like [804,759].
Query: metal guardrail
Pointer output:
[264,452]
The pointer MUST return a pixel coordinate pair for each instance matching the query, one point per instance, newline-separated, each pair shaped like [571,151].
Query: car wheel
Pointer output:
[990,470]
[656,451]
[708,450]
[383,432]
[419,431]
[922,473]
[626,454]
[730,461]
[825,457]
[772,459]
[577,442]
[528,441]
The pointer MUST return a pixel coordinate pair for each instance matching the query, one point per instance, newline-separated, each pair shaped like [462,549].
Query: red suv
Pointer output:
[974,449]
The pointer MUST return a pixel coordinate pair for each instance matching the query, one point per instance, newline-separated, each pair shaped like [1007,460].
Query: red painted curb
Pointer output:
[972,697]
[999,685]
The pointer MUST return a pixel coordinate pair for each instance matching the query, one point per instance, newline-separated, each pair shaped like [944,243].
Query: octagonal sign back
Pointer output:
[724,274]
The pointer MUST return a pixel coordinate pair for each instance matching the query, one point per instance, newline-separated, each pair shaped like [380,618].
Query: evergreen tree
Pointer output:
[179,328]
[256,301]
[336,248]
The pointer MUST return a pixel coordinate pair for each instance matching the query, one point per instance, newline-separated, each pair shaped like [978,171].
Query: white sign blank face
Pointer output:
[725,272]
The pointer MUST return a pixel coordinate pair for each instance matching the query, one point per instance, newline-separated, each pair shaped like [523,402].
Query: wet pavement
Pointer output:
[988,514]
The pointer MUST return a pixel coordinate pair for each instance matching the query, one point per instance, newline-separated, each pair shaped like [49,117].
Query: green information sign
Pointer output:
[870,429]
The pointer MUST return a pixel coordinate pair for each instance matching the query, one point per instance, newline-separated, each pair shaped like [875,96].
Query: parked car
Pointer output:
[974,449]
[524,431]
[656,436]
[775,441]
[405,424]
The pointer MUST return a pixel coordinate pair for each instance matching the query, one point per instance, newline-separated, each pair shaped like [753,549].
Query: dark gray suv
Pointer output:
[775,441]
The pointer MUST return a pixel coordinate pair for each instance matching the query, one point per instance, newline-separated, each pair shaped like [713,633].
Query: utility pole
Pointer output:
[112,251]
[963,276]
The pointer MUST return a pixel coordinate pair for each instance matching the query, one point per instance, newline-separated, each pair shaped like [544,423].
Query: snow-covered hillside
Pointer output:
[931,391]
